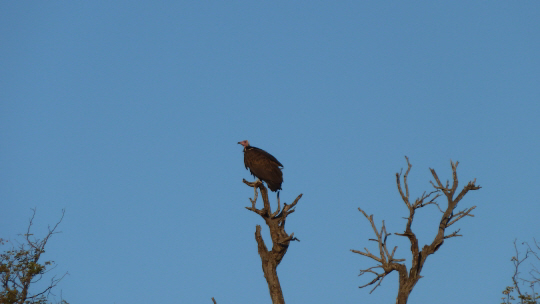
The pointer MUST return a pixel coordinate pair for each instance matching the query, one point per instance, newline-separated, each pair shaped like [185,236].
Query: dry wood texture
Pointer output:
[280,239]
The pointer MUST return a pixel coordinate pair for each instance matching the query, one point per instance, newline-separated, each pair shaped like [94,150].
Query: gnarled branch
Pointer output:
[386,260]
[280,238]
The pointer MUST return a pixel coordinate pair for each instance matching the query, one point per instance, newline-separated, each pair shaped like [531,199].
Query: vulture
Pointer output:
[263,166]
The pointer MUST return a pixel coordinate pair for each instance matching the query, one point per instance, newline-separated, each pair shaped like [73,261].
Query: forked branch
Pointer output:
[386,261]
[280,238]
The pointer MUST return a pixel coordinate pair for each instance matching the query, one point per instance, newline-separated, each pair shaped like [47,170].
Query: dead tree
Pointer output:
[385,258]
[280,239]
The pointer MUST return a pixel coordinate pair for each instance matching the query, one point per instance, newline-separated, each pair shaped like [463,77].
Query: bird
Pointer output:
[263,166]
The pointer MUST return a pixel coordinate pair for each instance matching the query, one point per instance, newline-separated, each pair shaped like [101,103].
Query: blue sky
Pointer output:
[127,114]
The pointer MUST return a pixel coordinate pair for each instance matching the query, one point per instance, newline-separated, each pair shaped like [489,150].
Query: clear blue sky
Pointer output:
[127,114]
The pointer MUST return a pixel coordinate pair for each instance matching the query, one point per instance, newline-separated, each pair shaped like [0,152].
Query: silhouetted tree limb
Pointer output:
[280,239]
[535,273]
[531,281]
[20,268]
[386,261]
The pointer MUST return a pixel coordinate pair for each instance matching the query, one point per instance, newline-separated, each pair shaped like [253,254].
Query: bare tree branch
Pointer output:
[518,281]
[453,234]
[386,260]
[456,217]
[379,277]
[280,238]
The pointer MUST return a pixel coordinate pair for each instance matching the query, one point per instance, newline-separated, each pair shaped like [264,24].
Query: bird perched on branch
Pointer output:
[263,166]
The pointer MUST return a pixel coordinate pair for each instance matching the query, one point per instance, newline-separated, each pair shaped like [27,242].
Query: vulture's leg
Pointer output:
[278,206]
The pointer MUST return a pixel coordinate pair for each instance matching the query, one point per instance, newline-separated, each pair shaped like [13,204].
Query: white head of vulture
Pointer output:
[263,166]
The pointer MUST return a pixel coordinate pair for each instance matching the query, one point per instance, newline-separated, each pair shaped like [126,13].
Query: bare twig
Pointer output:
[386,259]
[518,281]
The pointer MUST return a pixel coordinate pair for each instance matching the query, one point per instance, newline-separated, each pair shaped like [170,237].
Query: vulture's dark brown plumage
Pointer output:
[263,166]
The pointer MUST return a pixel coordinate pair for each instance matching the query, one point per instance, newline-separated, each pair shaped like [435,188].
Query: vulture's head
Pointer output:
[244,143]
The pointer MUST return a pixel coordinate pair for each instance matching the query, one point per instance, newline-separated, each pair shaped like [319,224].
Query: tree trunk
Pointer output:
[403,296]
[271,276]
[406,285]
[280,239]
